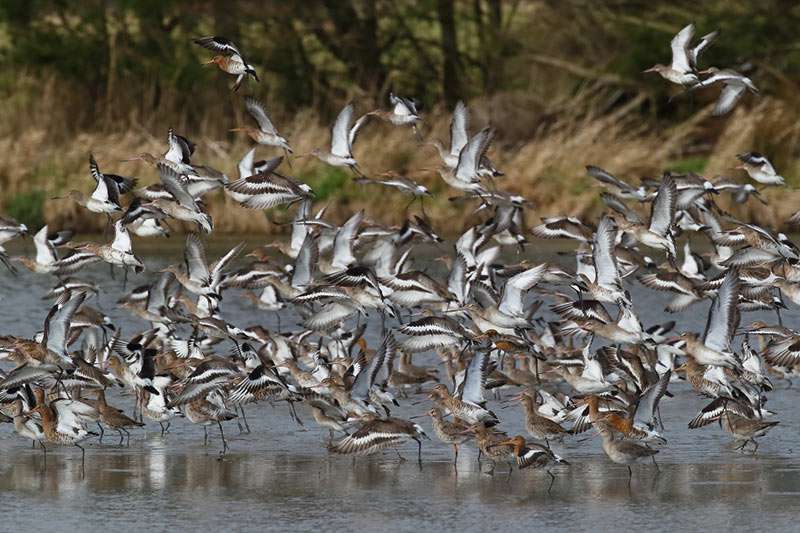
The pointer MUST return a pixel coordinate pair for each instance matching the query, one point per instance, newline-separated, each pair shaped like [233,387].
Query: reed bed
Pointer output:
[48,132]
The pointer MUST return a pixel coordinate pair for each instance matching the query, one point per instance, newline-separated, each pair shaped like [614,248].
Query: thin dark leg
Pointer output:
[121,437]
[128,435]
[653,457]
[754,442]
[455,459]
[244,417]
[510,471]
[101,432]
[419,452]
[224,444]
[238,423]
[630,475]
[552,480]
[205,436]
[162,428]
[398,454]
[294,413]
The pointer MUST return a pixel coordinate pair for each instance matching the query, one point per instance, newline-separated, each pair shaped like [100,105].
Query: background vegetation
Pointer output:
[561,81]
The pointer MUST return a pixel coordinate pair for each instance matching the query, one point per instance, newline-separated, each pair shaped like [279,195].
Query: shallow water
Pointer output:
[280,475]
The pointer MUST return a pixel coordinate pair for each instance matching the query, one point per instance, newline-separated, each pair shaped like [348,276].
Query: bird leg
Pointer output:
[224,444]
[510,471]
[294,413]
[417,136]
[205,436]
[238,424]
[162,428]
[83,455]
[101,431]
[630,476]
[121,437]
[128,434]
[653,457]
[552,480]
[455,459]
[419,453]
[244,417]
[398,454]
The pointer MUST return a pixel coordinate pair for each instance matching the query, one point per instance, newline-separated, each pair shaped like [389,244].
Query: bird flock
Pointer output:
[490,324]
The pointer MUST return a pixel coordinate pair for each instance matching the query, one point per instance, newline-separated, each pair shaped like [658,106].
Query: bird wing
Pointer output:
[365,379]
[177,152]
[475,378]
[457,281]
[731,93]
[620,207]
[402,106]
[157,293]
[195,257]
[470,156]
[723,317]
[515,288]
[220,264]
[57,323]
[218,44]
[648,401]
[680,49]
[306,262]
[459,128]
[663,211]
[122,239]
[601,175]
[45,252]
[757,159]
[388,350]
[329,316]
[356,129]
[106,189]
[699,48]
[343,242]
[299,228]
[605,262]
[176,186]
[256,109]
[340,132]
[245,166]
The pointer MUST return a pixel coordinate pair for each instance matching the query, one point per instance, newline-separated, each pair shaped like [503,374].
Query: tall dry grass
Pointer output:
[542,153]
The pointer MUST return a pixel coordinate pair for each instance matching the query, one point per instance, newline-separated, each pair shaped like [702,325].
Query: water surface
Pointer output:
[280,475]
